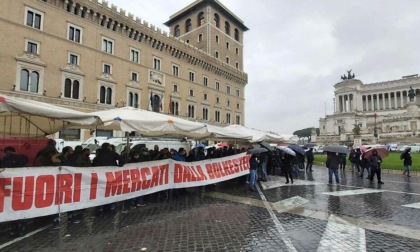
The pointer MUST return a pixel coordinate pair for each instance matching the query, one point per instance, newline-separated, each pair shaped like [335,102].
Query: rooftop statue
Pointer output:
[349,76]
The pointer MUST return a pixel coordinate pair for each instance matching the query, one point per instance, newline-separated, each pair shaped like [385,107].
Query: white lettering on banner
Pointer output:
[48,190]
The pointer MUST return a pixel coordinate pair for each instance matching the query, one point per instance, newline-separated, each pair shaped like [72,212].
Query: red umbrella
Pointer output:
[382,152]
[221,145]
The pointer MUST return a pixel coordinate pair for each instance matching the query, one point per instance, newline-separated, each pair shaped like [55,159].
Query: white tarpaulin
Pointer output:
[257,135]
[150,124]
[27,118]
[224,133]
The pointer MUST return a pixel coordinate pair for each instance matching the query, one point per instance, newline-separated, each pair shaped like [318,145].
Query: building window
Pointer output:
[237,51]
[71,88]
[175,70]
[216,54]
[236,34]
[29,81]
[191,76]
[217,116]
[217,85]
[156,63]
[191,111]
[73,59]
[191,92]
[107,69]
[205,114]
[105,95]
[227,28]
[237,105]
[227,60]
[238,119]
[175,88]
[205,97]
[217,20]
[227,45]
[134,55]
[174,108]
[200,37]
[228,89]
[201,19]
[74,33]
[237,93]
[237,65]
[107,45]
[177,31]
[32,47]
[217,100]
[188,41]
[188,26]
[133,99]
[34,18]
[228,118]
[205,81]
[69,134]
[217,39]
[228,103]
[134,77]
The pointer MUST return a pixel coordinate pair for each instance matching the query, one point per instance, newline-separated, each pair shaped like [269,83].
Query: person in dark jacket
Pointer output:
[375,166]
[180,155]
[309,159]
[253,163]
[106,157]
[364,164]
[332,163]
[407,162]
[287,166]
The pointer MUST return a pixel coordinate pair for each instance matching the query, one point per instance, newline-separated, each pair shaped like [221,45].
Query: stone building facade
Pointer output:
[87,55]
[374,113]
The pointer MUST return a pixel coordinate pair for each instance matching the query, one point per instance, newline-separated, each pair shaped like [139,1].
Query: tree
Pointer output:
[305,133]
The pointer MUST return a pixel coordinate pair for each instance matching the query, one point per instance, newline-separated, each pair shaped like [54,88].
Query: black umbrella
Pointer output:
[266,145]
[405,152]
[296,148]
[336,149]
[257,150]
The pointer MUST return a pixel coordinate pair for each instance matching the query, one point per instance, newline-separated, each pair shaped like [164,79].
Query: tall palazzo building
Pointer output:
[378,112]
[87,55]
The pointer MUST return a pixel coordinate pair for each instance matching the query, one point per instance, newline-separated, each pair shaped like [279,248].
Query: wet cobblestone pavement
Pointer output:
[309,215]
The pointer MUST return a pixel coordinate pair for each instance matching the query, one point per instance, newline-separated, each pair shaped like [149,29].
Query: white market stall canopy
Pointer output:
[27,118]
[224,133]
[150,124]
[257,135]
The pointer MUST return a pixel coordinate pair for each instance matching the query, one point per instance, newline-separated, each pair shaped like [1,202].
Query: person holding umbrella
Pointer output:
[253,163]
[375,166]
[407,161]
[332,163]
[287,166]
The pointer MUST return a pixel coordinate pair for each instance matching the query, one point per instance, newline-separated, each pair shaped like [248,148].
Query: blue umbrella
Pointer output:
[200,145]
[296,148]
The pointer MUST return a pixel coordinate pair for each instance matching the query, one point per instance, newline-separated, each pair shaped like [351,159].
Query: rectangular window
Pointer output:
[74,33]
[134,55]
[237,65]
[205,114]
[175,88]
[227,60]
[175,70]
[205,97]
[238,119]
[217,100]
[34,18]
[217,39]
[237,105]
[32,47]
[73,59]
[107,69]
[227,45]
[237,51]
[227,89]
[217,116]
[156,63]
[191,92]
[217,85]
[107,45]
[134,76]
[216,54]
[228,118]
[69,134]
[191,76]
[228,103]
[200,37]
[237,93]
[205,81]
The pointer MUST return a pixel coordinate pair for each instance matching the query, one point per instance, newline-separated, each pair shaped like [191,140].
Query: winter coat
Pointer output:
[333,161]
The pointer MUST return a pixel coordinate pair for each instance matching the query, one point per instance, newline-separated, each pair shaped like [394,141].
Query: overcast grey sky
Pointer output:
[295,51]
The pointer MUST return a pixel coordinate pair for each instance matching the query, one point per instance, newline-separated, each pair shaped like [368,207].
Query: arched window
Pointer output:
[200,19]
[136,101]
[177,31]
[67,88]
[191,111]
[217,20]
[76,89]
[109,95]
[236,34]
[133,100]
[71,88]
[130,99]
[102,93]
[34,82]
[24,80]
[188,26]
[227,28]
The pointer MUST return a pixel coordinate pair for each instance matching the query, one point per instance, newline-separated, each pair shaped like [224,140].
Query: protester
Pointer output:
[287,162]
[375,166]
[180,155]
[253,163]
[332,163]
[407,162]
[263,165]
[50,143]
[309,159]
[364,165]
[138,201]
[200,155]
[68,158]
[84,159]
[353,160]
[343,161]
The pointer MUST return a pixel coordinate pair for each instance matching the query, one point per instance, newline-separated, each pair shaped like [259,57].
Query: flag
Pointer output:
[170,105]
